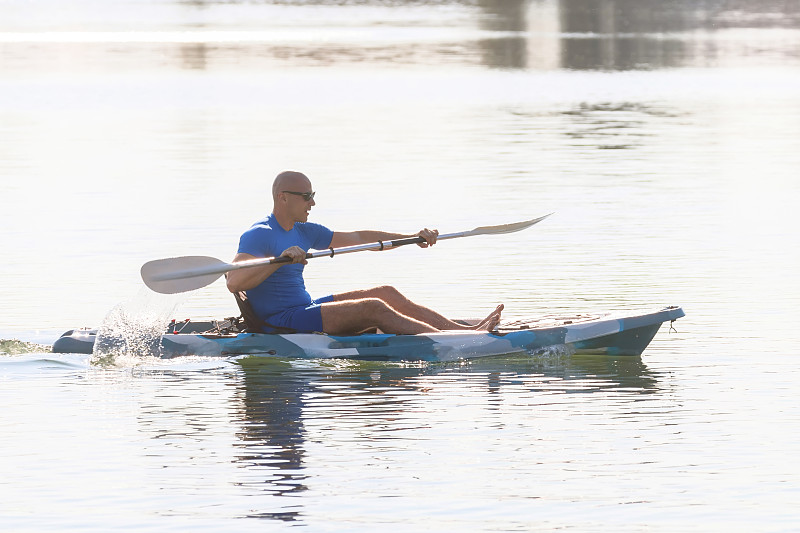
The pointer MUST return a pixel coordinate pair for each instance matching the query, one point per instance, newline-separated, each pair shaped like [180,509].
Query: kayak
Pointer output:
[624,334]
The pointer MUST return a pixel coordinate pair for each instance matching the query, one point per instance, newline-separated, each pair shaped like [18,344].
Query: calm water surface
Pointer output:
[664,137]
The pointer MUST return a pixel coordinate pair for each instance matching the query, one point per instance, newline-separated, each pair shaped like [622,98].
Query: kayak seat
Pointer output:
[253,324]
[251,321]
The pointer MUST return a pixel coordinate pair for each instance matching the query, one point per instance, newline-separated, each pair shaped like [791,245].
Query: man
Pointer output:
[278,295]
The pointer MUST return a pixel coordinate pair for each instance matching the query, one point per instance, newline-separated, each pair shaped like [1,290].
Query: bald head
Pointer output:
[289,180]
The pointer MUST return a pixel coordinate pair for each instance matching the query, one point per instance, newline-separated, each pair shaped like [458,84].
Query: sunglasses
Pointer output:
[307,196]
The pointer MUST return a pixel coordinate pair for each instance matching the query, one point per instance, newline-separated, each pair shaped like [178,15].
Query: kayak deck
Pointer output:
[606,333]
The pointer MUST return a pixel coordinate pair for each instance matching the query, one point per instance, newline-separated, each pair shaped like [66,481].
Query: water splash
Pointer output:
[131,332]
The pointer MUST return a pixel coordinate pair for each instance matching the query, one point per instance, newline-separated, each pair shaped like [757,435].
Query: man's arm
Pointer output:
[354,238]
[247,278]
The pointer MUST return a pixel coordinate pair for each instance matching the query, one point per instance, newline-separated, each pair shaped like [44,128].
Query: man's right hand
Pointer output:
[296,254]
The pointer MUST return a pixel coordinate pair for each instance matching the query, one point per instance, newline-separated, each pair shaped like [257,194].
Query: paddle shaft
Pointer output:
[330,252]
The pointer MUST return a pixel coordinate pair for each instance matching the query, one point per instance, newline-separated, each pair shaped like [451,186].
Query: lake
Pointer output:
[664,136]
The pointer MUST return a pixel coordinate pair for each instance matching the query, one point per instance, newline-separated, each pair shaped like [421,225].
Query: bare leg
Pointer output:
[420,313]
[351,317]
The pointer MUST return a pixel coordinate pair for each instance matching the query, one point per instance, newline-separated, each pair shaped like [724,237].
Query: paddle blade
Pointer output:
[182,274]
[507,228]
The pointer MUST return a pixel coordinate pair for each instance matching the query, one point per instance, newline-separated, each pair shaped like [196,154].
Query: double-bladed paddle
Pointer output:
[182,274]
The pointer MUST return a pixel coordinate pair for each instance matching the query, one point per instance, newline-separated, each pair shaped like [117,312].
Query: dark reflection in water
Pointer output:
[625,34]
[616,125]
[613,126]
[373,400]
[194,56]
[272,411]
[273,434]
[511,35]
[574,375]
[275,398]
[506,52]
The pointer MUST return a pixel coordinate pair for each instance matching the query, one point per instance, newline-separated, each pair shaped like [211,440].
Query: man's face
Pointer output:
[300,199]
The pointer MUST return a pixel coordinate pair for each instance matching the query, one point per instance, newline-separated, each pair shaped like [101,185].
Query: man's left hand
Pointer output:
[430,236]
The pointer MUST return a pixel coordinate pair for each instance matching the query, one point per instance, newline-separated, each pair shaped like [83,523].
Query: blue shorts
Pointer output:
[303,319]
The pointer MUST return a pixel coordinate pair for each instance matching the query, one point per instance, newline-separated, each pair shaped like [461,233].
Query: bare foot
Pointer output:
[491,321]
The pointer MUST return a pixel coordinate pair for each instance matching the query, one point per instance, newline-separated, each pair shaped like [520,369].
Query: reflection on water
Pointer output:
[611,126]
[502,34]
[280,406]
[272,399]
[270,439]
[505,51]
[632,34]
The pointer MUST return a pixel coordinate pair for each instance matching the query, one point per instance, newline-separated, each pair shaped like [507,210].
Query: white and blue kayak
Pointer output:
[625,334]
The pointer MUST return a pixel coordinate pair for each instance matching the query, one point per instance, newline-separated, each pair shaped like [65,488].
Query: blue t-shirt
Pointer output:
[285,288]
